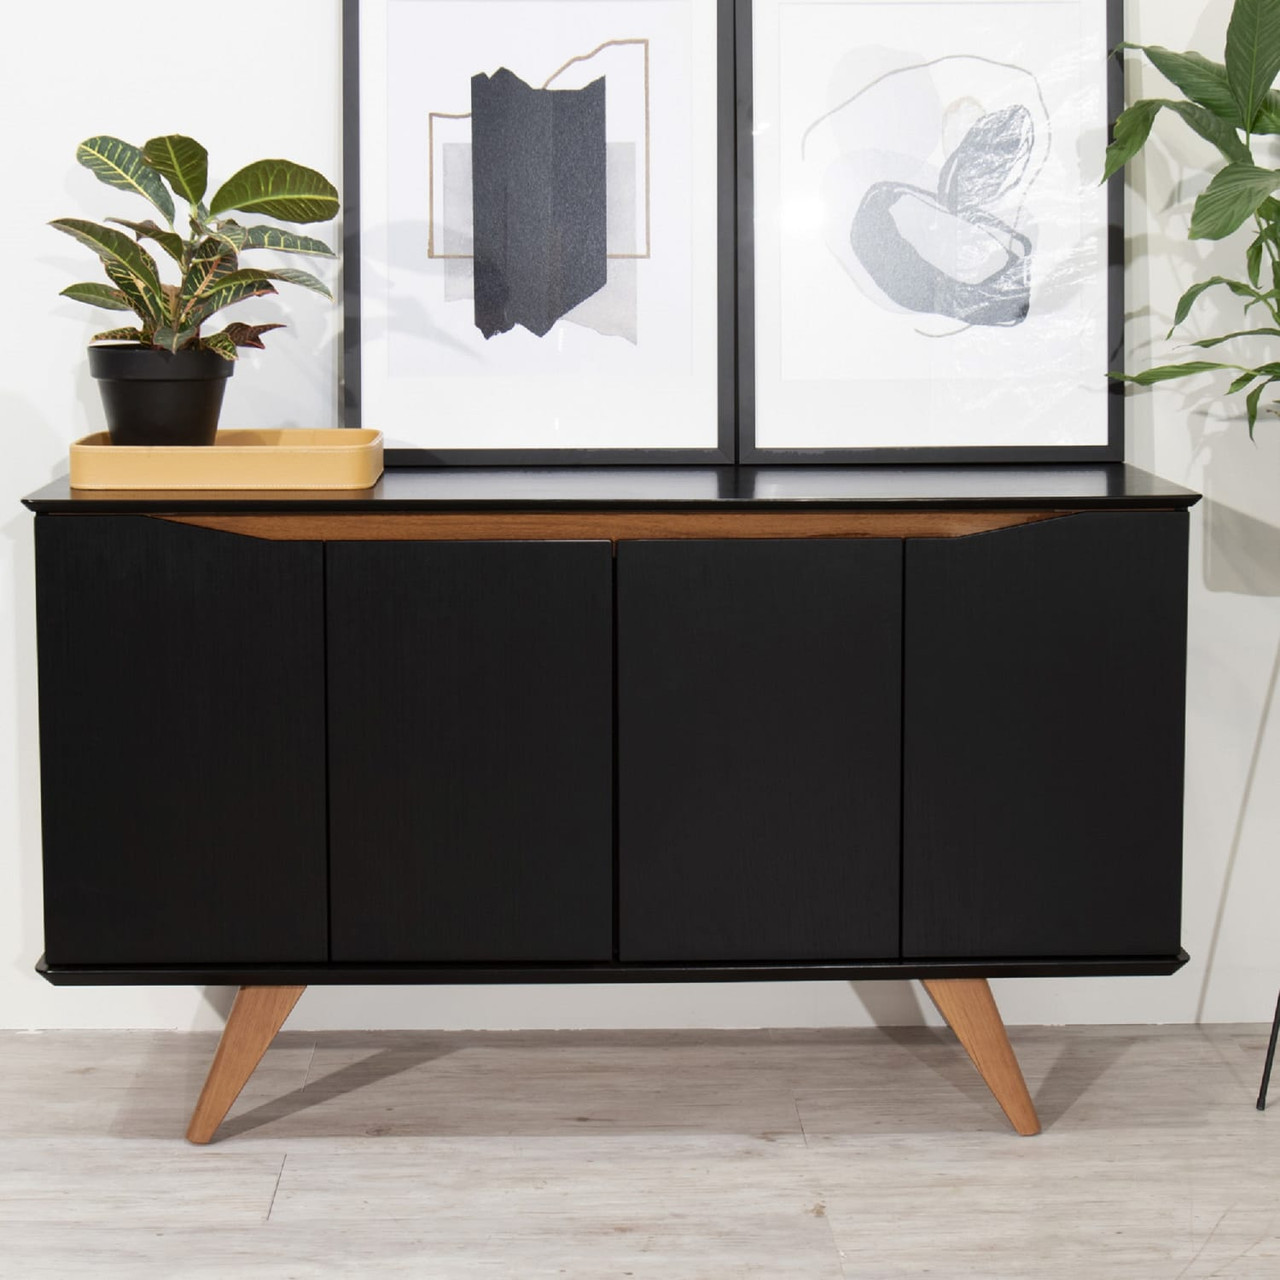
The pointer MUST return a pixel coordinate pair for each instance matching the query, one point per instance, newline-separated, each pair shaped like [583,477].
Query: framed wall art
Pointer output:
[929,267]
[539,231]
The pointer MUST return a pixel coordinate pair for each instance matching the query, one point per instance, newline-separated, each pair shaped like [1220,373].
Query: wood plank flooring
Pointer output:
[829,1155]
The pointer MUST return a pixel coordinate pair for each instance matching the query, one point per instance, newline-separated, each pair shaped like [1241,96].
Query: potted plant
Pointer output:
[1229,104]
[162,380]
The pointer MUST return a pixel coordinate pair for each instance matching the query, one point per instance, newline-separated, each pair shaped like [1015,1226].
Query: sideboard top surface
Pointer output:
[1079,487]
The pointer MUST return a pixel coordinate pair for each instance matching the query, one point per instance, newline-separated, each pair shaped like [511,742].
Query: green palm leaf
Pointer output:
[1188,299]
[120,164]
[1206,343]
[1234,194]
[1202,81]
[1133,126]
[97,295]
[1268,117]
[183,161]
[1252,54]
[280,189]
[1251,403]
[1213,130]
[1130,133]
[1167,372]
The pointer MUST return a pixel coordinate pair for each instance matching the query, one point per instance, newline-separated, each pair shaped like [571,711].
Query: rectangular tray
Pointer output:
[288,458]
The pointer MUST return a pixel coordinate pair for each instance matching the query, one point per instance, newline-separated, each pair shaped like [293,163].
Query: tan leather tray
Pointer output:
[288,458]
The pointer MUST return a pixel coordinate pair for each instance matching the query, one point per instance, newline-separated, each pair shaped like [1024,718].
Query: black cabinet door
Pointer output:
[182,743]
[759,757]
[470,768]
[1045,670]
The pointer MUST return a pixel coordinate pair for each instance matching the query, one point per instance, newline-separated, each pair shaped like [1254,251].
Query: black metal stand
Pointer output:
[1271,1057]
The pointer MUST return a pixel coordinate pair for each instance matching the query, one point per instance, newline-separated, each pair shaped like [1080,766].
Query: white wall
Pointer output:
[61,80]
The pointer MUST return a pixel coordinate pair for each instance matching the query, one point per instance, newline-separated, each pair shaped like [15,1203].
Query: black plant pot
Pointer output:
[160,397]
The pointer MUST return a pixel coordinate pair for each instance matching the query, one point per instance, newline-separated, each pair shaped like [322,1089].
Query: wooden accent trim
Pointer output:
[471,526]
[970,1011]
[257,1014]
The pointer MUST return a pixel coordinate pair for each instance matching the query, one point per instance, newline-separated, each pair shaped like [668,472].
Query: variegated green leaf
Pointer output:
[264,237]
[120,164]
[183,161]
[173,339]
[291,275]
[249,335]
[231,289]
[120,335]
[221,345]
[113,246]
[280,189]
[233,232]
[97,295]
[148,304]
[169,241]
[213,259]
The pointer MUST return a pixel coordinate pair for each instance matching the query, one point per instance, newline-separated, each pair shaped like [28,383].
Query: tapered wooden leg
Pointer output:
[257,1014]
[970,1011]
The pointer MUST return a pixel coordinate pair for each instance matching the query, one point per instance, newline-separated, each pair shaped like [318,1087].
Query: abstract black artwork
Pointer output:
[535,197]
[539,195]
[538,200]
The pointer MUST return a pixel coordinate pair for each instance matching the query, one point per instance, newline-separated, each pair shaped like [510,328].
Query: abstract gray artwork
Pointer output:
[956,241]
[986,277]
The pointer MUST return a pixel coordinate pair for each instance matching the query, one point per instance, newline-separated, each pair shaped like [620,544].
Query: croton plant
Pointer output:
[172,317]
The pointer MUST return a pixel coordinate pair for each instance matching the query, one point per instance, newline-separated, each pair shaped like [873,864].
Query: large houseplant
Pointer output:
[1230,104]
[162,379]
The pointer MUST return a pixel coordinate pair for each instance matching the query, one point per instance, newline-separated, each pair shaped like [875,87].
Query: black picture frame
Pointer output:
[727,273]
[748,452]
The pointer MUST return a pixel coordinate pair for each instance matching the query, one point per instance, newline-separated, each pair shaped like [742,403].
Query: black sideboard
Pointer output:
[633,724]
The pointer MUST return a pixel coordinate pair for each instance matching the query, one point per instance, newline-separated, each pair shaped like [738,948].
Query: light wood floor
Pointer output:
[659,1156]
